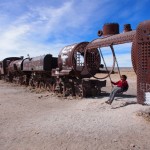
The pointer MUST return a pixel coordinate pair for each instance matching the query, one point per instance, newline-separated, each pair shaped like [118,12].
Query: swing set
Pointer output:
[112,68]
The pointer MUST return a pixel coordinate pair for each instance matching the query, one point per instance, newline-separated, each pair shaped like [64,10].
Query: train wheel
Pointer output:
[36,84]
[79,92]
[31,82]
[50,87]
[42,85]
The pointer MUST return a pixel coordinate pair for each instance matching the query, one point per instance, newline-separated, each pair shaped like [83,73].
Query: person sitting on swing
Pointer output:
[122,86]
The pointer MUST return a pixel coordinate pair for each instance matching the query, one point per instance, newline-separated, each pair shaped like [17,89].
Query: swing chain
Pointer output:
[105,66]
[111,46]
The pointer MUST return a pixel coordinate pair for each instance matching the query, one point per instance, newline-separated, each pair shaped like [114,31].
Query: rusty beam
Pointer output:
[126,37]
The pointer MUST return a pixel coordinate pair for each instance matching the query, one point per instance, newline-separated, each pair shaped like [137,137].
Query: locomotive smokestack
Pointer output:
[127,28]
[110,29]
[21,57]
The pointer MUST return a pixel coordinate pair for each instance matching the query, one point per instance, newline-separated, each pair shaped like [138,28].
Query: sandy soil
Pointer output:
[31,121]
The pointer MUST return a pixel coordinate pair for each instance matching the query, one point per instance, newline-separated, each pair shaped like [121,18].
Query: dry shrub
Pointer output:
[145,114]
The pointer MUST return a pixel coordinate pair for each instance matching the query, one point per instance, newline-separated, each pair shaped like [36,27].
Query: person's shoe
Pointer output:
[108,102]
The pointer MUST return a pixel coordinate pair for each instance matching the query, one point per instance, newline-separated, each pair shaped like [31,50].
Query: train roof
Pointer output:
[11,58]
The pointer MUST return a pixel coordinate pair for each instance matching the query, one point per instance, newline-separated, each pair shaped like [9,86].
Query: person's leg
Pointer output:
[110,95]
[113,94]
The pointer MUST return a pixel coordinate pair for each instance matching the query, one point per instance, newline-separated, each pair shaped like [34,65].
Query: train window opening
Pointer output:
[79,59]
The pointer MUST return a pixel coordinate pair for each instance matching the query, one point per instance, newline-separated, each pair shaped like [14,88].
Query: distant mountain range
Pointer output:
[120,68]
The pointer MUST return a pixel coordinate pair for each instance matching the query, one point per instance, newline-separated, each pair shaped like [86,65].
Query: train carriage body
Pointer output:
[5,64]
[40,63]
[15,66]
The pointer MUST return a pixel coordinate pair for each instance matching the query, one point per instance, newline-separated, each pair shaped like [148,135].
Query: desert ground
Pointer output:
[43,121]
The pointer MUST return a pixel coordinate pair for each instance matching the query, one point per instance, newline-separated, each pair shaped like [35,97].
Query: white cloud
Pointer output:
[27,34]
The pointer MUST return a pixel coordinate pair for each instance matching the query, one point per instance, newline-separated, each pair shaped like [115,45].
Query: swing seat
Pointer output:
[121,93]
[124,90]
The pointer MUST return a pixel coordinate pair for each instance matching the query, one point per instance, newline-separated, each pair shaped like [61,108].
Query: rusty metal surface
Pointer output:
[127,28]
[26,64]
[92,87]
[112,40]
[5,63]
[143,60]
[0,68]
[71,59]
[134,54]
[64,55]
[40,63]
[110,29]
[92,61]
[37,63]
[15,66]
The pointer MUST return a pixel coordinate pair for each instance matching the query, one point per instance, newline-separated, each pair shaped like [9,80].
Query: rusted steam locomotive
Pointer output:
[66,75]
[71,72]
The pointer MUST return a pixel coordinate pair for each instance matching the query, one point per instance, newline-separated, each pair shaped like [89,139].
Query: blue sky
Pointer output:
[38,27]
